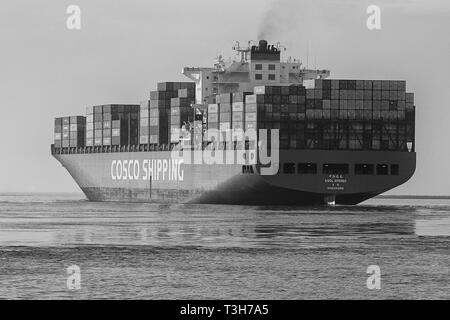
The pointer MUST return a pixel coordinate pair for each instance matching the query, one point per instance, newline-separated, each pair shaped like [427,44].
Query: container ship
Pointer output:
[331,141]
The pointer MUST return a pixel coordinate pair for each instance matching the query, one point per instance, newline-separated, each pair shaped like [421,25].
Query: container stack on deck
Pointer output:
[224,101]
[77,131]
[70,132]
[336,114]
[181,112]
[332,115]
[58,133]
[199,127]
[156,116]
[213,122]
[112,125]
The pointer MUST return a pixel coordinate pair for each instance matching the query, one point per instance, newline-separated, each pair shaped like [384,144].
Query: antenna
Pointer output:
[241,50]
[307,54]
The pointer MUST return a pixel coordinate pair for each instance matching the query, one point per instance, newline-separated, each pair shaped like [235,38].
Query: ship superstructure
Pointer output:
[258,65]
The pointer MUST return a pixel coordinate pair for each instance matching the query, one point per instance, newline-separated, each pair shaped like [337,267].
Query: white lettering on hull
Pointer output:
[155,170]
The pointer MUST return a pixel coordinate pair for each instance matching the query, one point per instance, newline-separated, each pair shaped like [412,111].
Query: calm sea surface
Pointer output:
[149,251]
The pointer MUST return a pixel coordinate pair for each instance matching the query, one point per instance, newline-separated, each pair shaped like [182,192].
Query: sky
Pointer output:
[125,47]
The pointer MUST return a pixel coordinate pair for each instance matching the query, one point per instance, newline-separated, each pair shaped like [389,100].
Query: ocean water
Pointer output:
[151,251]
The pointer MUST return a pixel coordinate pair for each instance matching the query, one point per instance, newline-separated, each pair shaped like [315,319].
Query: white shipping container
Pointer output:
[214,108]
[154,113]
[238,116]
[250,117]
[238,106]
[145,105]
[174,138]
[309,84]
[89,110]
[250,125]
[154,139]
[144,113]
[144,122]
[143,140]
[260,90]
[153,121]
[251,98]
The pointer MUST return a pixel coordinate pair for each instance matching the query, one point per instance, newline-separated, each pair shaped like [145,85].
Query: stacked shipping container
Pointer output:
[199,127]
[70,132]
[337,114]
[112,125]
[156,115]
[230,114]
[181,112]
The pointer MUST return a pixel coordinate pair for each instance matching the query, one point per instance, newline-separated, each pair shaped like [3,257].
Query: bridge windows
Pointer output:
[364,169]
[335,168]
[307,168]
[382,169]
[289,168]
[395,170]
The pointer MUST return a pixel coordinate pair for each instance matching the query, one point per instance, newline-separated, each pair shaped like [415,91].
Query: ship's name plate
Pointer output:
[335,182]
[155,170]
